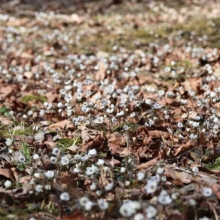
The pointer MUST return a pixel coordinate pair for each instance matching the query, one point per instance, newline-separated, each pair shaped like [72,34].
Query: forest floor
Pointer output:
[110,111]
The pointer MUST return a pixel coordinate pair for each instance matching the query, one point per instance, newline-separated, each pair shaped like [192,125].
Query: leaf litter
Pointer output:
[109,110]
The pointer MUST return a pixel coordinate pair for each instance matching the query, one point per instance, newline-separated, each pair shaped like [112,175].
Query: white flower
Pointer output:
[192,202]
[103,205]
[53,159]
[21,159]
[126,211]
[93,186]
[140,176]
[195,169]
[100,162]
[164,198]
[84,158]
[204,218]
[193,136]
[174,195]
[207,191]
[150,211]
[56,151]
[39,188]
[86,203]
[139,216]
[195,124]
[125,127]
[160,170]
[156,106]
[49,174]
[47,187]
[37,175]
[92,153]
[36,156]
[7,184]
[129,208]
[109,186]
[64,160]
[91,170]
[8,141]
[151,186]
[123,169]
[180,125]
[77,157]
[65,196]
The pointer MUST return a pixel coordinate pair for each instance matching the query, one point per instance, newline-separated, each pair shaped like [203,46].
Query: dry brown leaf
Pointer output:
[5,121]
[180,176]
[6,173]
[61,125]
[148,164]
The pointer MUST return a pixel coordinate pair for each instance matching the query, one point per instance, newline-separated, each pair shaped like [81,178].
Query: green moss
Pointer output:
[37,98]
[214,166]
[64,143]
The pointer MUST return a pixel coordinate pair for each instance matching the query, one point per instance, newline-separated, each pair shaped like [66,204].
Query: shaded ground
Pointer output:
[109,111]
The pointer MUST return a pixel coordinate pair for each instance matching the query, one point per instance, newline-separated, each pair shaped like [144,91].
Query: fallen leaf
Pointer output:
[61,125]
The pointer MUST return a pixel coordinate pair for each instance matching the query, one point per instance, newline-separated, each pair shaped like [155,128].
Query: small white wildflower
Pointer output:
[140,176]
[160,170]
[156,106]
[77,157]
[122,170]
[65,196]
[192,202]
[193,136]
[127,209]
[174,195]
[98,193]
[21,159]
[39,188]
[84,158]
[8,141]
[180,125]
[125,127]
[64,160]
[103,205]
[195,124]
[148,101]
[37,175]
[139,216]
[36,156]
[195,169]
[164,198]
[150,211]
[151,186]
[41,113]
[183,101]
[127,183]
[56,151]
[10,151]
[93,186]
[91,170]
[49,174]
[109,186]
[53,160]
[7,184]
[204,218]
[92,153]
[100,162]
[207,191]
[88,205]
